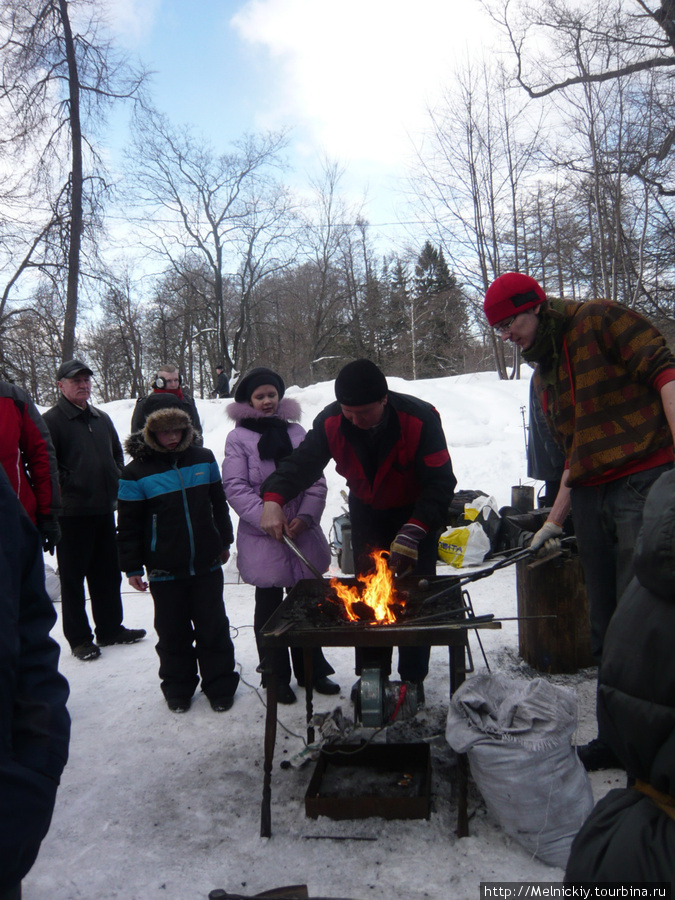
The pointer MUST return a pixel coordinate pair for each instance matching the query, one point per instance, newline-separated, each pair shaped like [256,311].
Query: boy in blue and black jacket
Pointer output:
[173,521]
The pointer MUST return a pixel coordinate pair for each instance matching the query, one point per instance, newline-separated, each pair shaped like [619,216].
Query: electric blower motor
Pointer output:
[378,701]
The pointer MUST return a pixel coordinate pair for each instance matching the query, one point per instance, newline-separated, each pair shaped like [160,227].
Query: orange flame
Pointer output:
[377,592]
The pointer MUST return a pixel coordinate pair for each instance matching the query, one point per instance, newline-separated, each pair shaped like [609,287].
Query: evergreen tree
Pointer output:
[438,317]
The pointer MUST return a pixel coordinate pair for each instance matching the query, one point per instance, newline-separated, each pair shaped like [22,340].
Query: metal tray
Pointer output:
[358,781]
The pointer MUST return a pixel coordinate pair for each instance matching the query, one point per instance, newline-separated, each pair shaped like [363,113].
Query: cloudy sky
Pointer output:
[351,79]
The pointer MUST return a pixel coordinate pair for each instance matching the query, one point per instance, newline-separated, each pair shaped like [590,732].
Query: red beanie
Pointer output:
[510,294]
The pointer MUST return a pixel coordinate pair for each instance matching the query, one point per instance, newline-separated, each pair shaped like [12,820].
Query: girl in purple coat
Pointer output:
[266,432]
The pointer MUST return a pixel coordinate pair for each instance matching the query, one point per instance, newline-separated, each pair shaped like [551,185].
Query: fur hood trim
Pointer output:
[143,444]
[288,410]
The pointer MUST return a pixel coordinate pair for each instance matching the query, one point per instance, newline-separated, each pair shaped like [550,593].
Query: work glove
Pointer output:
[547,538]
[50,532]
[403,553]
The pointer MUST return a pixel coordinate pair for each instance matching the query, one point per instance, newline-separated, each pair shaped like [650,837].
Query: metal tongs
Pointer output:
[303,559]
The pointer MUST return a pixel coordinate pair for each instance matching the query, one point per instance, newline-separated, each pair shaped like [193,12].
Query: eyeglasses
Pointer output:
[505,324]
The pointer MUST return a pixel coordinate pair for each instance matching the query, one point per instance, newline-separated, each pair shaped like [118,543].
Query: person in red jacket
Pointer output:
[391,449]
[27,456]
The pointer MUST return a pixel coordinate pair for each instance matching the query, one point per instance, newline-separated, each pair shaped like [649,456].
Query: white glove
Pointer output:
[547,537]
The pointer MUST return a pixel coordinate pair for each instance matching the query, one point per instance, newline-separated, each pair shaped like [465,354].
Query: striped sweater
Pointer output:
[607,410]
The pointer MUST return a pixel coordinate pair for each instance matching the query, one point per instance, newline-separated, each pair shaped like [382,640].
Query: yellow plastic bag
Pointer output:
[467,545]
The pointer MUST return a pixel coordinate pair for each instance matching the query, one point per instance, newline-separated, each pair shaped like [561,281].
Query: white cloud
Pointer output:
[360,74]
[132,20]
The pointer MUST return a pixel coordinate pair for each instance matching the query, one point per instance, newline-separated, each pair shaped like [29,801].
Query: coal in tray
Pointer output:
[355,781]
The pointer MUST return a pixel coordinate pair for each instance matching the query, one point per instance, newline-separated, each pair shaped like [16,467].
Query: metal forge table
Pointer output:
[299,622]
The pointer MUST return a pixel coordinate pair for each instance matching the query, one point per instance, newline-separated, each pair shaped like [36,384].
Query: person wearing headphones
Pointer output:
[167,381]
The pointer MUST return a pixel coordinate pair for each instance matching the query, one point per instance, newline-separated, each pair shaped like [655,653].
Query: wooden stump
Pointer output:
[553,587]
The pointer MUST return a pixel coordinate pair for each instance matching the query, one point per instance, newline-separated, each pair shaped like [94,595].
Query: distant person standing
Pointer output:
[27,456]
[222,385]
[90,458]
[167,381]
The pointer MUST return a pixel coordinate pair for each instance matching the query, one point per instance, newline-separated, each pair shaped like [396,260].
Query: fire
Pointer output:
[377,591]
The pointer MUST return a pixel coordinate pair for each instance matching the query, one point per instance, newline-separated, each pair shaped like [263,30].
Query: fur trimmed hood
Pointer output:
[143,444]
[288,410]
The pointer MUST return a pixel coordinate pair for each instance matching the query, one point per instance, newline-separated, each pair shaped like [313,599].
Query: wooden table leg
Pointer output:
[462,795]
[270,741]
[308,665]
[457,666]
[457,673]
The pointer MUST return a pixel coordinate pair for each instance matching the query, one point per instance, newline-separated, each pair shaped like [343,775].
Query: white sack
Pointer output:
[517,735]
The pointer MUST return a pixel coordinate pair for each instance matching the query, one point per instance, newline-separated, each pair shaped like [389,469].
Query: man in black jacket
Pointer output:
[34,721]
[222,385]
[391,449]
[90,458]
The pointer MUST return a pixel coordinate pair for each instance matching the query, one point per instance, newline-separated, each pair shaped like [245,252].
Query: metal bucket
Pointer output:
[522,497]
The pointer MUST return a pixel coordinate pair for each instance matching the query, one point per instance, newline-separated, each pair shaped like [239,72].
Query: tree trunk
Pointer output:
[76,187]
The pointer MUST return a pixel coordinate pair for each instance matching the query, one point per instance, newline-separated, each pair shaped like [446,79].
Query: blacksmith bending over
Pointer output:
[606,381]
[391,449]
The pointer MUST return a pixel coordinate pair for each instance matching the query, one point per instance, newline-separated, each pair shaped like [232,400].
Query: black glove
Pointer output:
[50,531]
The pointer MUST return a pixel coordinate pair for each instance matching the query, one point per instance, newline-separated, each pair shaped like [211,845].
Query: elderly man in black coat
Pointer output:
[90,458]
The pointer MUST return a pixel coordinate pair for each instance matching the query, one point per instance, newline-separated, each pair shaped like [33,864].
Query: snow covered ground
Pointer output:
[156,805]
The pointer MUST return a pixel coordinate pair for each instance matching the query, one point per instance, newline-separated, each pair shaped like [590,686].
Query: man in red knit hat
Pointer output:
[606,381]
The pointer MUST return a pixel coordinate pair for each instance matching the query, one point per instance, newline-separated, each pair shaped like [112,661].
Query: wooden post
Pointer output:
[556,587]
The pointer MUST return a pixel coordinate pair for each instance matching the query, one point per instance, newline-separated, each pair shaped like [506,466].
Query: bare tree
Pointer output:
[473,170]
[116,341]
[226,209]
[57,83]
[551,42]
[32,344]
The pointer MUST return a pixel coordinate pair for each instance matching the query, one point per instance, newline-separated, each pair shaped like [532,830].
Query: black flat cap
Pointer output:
[72,368]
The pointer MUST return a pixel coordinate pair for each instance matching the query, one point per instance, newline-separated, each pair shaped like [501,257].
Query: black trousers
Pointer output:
[275,659]
[194,636]
[88,549]
[12,894]
[375,529]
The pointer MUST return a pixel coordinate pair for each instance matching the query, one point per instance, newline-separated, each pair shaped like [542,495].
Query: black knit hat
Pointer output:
[359,383]
[253,379]
[162,400]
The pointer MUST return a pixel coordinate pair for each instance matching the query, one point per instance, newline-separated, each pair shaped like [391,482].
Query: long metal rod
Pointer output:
[301,556]
[484,573]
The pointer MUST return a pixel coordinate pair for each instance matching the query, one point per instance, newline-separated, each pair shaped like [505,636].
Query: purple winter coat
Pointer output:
[261,559]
